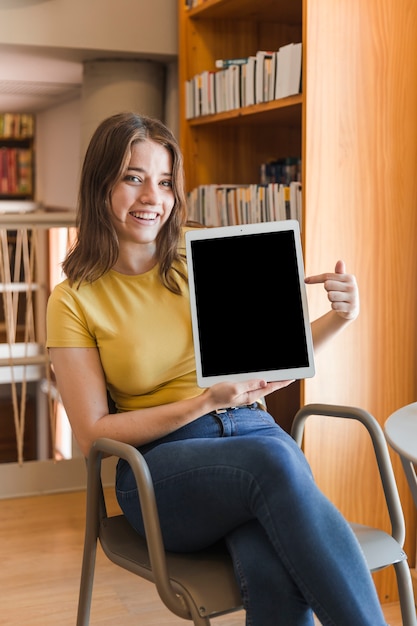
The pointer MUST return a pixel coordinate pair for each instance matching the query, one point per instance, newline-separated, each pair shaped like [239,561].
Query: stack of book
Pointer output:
[280,170]
[226,205]
[16,171]
[16,125]
[245,81]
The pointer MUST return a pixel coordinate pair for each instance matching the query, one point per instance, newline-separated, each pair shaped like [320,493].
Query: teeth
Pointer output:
[145,216]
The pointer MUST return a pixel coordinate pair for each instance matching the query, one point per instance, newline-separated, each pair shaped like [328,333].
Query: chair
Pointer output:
[380,548]
[202,585]
[401,433]
[194,586]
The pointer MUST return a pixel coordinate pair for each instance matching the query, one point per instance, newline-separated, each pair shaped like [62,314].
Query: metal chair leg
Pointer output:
[406,593]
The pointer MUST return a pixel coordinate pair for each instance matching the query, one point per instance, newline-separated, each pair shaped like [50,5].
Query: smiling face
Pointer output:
[143,199]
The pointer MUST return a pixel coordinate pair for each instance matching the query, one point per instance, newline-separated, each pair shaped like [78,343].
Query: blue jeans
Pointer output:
[237,475]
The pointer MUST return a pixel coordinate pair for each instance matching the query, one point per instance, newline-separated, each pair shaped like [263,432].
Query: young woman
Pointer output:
[120,322]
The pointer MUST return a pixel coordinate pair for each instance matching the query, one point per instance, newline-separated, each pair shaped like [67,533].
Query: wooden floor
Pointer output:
[41,541]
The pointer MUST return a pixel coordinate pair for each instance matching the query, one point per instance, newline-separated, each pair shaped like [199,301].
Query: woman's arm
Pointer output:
[81,383]
[343,294]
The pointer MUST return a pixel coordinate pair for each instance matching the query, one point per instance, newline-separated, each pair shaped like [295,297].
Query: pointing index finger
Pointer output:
[339,269]
[317,278]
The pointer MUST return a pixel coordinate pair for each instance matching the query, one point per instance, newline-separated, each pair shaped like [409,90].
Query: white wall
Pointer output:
[142,26]
[58,155]
[134,26]
[58,146]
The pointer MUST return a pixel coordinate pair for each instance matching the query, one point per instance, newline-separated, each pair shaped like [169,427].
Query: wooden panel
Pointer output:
[361,199]
[8,446]
[284,404]
[214,156]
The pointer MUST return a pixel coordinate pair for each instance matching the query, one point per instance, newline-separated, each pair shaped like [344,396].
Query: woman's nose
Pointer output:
[149,193]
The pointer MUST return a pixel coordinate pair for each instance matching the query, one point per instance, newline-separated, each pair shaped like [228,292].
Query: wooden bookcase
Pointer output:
[231,146]
[356,130]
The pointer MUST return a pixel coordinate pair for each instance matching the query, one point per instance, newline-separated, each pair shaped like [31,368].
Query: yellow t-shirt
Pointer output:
[141,329]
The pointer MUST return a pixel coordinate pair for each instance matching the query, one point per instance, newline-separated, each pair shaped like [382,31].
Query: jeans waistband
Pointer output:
[254,405]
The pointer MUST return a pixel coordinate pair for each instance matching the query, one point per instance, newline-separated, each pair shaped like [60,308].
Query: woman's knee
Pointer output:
[281,459]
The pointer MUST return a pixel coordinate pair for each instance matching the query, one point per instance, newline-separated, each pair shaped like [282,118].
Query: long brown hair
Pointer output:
[96,248]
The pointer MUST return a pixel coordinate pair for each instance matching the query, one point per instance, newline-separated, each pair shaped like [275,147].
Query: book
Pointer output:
[296,200]
[11,171]
[232,206]
[4,185]
[223,64]
[270,77]
[220,91]
[263,58]
[207,93]
[198,94]
[262,202]
[242,206]
[279,202]
[288,80]
[26,128]
[233,86]
[250,71]
[212,93]
[254,208]
[287,202]
[24,170]
[270,202]
[204,93]
[189,99]
[294,86]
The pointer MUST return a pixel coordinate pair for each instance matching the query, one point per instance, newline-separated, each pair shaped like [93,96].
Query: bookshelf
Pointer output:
[262,132]
[16,156]
[355,127]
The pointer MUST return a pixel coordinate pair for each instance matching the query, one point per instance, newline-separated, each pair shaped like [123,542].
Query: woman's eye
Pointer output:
[131,178]
[167,183]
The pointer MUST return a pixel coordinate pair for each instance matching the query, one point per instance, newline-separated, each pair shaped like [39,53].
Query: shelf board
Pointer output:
[284,10]
[285,110]
[38,219]
[18,139]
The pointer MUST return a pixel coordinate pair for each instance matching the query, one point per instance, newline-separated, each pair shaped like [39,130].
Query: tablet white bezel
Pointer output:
[299,372]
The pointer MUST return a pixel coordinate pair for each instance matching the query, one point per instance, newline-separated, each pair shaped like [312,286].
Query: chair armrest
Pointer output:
[380,446]
[147,499]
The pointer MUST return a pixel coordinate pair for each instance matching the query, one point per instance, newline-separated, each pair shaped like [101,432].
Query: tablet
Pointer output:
[248,303]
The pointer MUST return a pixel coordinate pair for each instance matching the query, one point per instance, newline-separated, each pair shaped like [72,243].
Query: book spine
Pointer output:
[223,64]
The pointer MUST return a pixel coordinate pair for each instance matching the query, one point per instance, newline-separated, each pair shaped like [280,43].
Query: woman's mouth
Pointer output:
[145,215]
